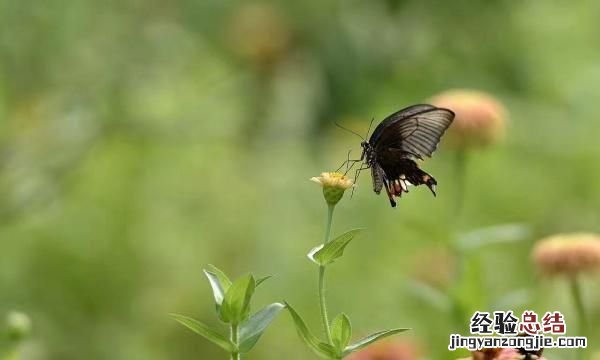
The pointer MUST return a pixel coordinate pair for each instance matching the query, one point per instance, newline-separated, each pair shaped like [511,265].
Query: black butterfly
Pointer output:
[531,354]
[398,142]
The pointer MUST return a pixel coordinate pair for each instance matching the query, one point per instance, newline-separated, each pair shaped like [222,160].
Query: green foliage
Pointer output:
[319,347]
[261,280]
[236,304]
[222,280]
[232,300]
[217,288]
[326,254]
[205,331]
[341,332]
[368,340]
[253,328]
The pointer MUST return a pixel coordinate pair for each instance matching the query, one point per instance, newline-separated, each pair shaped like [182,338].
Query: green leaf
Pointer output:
[341,332]
[223,279]
[328,253]
[252,329]
[236,304]
[320,348]
[262,280]
[204,330]
[216,286]
[371,339]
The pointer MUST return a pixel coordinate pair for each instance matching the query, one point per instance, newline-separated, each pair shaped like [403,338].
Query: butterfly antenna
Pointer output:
[350,131]
[370,124]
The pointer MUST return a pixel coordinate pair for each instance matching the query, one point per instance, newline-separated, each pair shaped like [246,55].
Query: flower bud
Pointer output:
[480,118]
[334,185]
[567,254]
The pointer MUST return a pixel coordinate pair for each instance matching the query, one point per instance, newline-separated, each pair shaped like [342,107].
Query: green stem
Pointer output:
[322,302]
[580,308]
[235,332]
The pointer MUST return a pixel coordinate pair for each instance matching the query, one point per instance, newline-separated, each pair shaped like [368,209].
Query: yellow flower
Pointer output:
[334,185]
[480,118]
[567,254]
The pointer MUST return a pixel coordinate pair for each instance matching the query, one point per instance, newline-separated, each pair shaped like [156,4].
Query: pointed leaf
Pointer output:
[311,254]
[328,253]
[204,330]
[223,279]
[216,286]
[371,339]
[253,328]
[262,280]
[341,332]
[320,348]
[236,304]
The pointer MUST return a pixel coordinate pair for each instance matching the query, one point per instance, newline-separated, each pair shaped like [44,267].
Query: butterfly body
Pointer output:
[398,142]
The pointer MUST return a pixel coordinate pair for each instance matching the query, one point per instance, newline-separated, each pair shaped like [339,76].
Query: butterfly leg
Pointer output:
[356,174]
[346,164]
[348,161]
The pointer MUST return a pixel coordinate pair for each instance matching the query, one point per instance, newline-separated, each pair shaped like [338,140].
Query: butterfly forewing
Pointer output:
[415,130]
[398,115]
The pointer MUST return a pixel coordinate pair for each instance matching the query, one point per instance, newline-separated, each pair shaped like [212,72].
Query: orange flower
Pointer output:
[567,254]
[480,118]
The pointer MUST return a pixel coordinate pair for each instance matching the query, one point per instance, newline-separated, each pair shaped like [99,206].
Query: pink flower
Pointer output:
[480,118]
[567,254]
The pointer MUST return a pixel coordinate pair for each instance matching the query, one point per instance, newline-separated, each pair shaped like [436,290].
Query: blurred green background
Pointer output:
[142,140]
